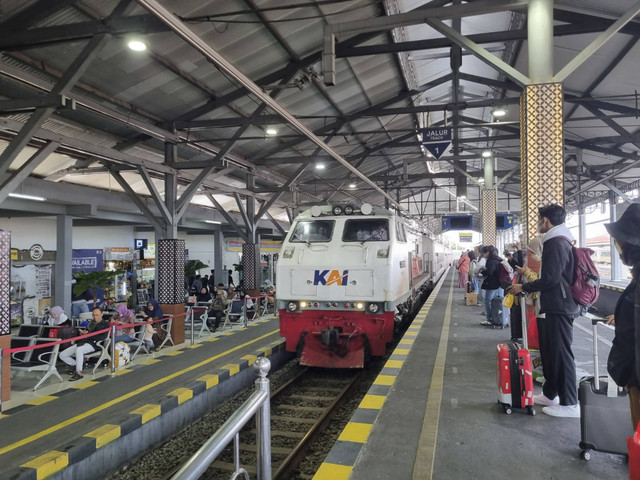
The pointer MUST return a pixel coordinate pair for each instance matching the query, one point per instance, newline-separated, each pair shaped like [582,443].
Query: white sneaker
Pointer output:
[544,401]
[566,411]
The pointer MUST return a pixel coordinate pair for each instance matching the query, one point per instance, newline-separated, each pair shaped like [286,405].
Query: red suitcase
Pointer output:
[515,379]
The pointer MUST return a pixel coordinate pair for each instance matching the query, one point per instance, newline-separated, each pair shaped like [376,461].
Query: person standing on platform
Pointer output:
[480,266]
[473,263]
[559,395]
[491,282]
[230,282]
[463,270]
[623,363]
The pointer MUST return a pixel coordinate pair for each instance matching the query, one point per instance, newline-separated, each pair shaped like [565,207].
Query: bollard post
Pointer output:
[244,311]
[113,348]
[263,420]
[192,314]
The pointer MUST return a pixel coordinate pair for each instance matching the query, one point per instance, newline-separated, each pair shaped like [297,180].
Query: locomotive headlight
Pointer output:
[373,307]
[337,210]
[359,306]
[383,252]
[288,252]
[292,306]
[348,210]
[303,304]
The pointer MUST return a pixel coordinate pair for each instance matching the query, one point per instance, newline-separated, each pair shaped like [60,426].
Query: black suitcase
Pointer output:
[516,319]
[605,422]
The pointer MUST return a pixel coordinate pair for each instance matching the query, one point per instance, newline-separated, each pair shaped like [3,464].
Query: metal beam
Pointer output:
[481,53]
[266,205]
[243,213]
[277,225]
[136,199]
[74,32]
[598,42]
[205,49]
[32,103]
[155,195]
[618,192]
[232,223]
[11,183]
[62,86]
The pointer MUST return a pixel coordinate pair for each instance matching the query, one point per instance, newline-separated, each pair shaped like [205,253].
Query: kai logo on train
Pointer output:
[331,277]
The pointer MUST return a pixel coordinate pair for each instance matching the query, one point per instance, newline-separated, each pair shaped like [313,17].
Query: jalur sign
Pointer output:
[437,141]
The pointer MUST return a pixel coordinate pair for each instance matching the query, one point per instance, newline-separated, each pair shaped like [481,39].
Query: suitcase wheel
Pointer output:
[531,410]
[585,455]
[507,409]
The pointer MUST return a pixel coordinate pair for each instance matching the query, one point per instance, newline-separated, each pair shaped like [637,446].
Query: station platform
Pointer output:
[432,413]
[87,428]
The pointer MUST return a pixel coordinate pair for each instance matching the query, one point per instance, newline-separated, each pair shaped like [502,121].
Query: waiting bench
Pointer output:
[46,358]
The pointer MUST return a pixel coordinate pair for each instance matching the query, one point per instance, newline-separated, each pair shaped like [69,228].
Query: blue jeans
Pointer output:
[490,295]
[123,338]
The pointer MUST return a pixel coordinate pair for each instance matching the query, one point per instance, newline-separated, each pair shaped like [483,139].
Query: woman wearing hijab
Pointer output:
[623,363]
[125,317]
[204,296]
[57,317]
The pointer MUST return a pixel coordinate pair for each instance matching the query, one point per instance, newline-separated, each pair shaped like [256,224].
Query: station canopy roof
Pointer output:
[231,97]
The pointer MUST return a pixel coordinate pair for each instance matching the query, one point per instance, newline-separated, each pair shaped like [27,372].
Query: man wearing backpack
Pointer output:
[559,394]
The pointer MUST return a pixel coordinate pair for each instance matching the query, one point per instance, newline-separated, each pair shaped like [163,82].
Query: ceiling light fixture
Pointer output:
[27,197]
[320,166]
[486,154]
[214,222]
[499,112]
[352,185]
[271,131]
[137,45]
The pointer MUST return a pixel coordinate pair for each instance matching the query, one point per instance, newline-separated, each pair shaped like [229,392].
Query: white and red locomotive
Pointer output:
[347,277]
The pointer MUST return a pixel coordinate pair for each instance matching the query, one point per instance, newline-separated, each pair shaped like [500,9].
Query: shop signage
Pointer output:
[86,260]
[34,254]
[119,253]
[266,246]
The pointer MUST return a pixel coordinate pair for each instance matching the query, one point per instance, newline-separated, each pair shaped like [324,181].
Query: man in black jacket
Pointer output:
[491,285]
[559,394]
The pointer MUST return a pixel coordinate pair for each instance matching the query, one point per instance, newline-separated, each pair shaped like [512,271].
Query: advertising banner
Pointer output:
[83,260]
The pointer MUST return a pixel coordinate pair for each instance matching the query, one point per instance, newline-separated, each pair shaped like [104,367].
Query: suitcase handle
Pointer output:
[596,373]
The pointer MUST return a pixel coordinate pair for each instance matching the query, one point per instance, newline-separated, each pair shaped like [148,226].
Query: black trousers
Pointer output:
[214,317]
[558,365]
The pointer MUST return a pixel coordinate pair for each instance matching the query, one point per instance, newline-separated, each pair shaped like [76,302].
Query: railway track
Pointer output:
[300,409]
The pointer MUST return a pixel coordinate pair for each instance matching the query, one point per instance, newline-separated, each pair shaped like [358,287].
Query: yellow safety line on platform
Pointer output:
[127,396]
[423,469]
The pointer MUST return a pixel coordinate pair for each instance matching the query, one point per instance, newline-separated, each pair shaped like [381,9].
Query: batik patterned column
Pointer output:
[5,311]
[170,260]
[489,200]
[541,149]
[170,257]
[251,266]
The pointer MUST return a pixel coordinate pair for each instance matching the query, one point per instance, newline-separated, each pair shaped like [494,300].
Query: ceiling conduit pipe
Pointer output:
[199,44]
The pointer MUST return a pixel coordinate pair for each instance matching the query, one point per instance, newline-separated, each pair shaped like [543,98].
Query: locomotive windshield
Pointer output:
[361,230]
[309,231]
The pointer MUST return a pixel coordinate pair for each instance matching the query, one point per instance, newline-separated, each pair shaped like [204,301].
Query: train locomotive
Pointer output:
[347,278]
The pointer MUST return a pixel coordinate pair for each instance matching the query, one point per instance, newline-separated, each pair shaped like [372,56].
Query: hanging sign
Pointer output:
[466,237]
[437,141]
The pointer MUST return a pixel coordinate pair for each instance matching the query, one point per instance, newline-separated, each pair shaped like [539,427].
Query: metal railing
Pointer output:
[257,404]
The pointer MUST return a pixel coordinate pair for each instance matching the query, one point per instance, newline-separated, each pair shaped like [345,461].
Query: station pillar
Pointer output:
[170,258]
[541,149]
[5,313]
[489,206]
[251,274]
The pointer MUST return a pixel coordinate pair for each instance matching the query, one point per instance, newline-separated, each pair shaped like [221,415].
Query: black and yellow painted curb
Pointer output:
[79,449]
[343,456]
[95,381]
[615,288]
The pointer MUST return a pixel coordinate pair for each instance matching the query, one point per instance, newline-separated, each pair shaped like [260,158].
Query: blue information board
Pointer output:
[457,222]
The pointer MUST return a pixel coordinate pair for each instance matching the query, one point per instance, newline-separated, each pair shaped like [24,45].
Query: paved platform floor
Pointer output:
[441,419]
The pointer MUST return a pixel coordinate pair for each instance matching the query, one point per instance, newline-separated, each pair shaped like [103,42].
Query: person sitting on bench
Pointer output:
[85,346]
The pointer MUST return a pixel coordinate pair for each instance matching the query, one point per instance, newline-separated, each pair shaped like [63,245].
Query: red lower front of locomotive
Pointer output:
[336,339]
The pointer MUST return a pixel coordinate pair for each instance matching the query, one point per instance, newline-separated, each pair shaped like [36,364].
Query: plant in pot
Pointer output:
[93,281]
